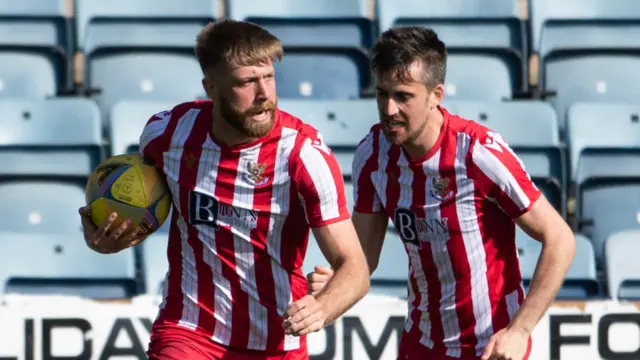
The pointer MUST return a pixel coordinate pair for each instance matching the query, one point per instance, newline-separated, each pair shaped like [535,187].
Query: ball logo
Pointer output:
[255,174]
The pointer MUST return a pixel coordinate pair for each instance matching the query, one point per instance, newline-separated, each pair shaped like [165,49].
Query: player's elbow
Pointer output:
[359,272]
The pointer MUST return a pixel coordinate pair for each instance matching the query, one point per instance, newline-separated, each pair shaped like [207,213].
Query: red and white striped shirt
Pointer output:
[454,210]
[240,224]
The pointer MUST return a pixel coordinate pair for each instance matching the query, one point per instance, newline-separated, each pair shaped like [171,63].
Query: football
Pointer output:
[134,189]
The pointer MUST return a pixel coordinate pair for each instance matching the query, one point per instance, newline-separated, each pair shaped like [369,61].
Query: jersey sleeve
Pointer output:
[502,176]
[151,145]
[319,183]
[365,162]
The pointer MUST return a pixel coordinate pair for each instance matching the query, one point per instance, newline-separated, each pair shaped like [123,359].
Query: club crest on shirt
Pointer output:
[440,188]
[255,173]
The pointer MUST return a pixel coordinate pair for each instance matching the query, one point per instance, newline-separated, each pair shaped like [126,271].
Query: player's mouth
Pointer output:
[394,125]
[260,117]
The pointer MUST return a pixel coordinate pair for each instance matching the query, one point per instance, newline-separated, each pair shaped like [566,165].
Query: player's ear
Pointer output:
[208,87]
[437,95]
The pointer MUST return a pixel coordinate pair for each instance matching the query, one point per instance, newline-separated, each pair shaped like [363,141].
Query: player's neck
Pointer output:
[421,146]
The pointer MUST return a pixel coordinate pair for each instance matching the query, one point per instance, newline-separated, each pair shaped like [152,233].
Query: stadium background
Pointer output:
[78,80]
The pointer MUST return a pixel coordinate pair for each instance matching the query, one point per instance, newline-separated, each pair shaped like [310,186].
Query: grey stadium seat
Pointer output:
[35,49]
[531,130]
[478,34]
[605,143]
[40,206]
[154,261]
[134,49]
[65,266]
[49,138]
[341,123]
[127,120]
[308,22]
[623,268]
[581,281]
[588,50]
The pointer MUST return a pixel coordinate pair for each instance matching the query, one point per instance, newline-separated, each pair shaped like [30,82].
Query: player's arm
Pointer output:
[506,181]
[106,238]
[319,184]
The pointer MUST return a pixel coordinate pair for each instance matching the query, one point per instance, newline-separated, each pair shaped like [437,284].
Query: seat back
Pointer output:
[604,140]
[155,264]
[622,264]
[342,123]
[65,265]
[308,22]
[58,137]
[122,22]
[550,18]
[580,282]
[35,46]
[127,120]
[531,130]
[38,206]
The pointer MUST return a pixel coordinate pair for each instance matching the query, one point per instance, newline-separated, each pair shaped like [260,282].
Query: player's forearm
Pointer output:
[548,277]
[349,284]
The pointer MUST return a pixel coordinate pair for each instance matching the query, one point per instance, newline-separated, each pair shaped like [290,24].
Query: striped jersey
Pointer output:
[240,224]
[454,209]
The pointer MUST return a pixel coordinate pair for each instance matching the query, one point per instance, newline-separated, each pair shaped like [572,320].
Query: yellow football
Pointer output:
[127,185]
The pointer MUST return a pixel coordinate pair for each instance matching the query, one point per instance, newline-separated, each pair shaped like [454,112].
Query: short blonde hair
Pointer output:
[235,42]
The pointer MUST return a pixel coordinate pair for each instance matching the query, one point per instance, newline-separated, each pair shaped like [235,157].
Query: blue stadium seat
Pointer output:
[623,269]
[531,130]
[50,138]
[35,49]
[323,73]
[65,266]
[588,50]
[39,206]
[128,118]
[581,280]
[604,144]
[144,43]
[309,22]
[342,124]
[479,35]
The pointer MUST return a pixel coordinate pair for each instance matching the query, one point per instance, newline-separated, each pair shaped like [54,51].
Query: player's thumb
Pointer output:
[85,210]
[488,350]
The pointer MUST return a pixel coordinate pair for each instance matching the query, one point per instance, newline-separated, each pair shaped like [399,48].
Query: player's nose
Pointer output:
[262,90]
[389,107]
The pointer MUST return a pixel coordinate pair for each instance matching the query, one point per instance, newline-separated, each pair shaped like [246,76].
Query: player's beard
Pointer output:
[241,120]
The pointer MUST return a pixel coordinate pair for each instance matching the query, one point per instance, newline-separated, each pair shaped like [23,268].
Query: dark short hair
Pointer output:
[399,47]
[236,42]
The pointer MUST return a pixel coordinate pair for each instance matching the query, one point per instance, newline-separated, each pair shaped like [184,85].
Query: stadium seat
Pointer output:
[65,266]
[309,22]
[35,49]
[39,206]
[127,120]
[478,35]
[588,50]
[342,124]
[531,130]
[323,73]
[390,278]
[604,144]
[623,268]
[143,43]
[49,138]
[581,280]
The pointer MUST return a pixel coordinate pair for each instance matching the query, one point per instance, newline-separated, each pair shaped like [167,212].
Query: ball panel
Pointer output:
[128,188]
[102,207]
[161,209]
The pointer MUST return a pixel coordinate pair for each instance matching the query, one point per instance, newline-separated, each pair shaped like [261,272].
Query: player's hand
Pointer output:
[507,344]
[304,316]
[319,278]
[106,238]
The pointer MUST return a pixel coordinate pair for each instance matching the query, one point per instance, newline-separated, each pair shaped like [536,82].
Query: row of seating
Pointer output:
[66,266]
[132,48]
[61,139]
